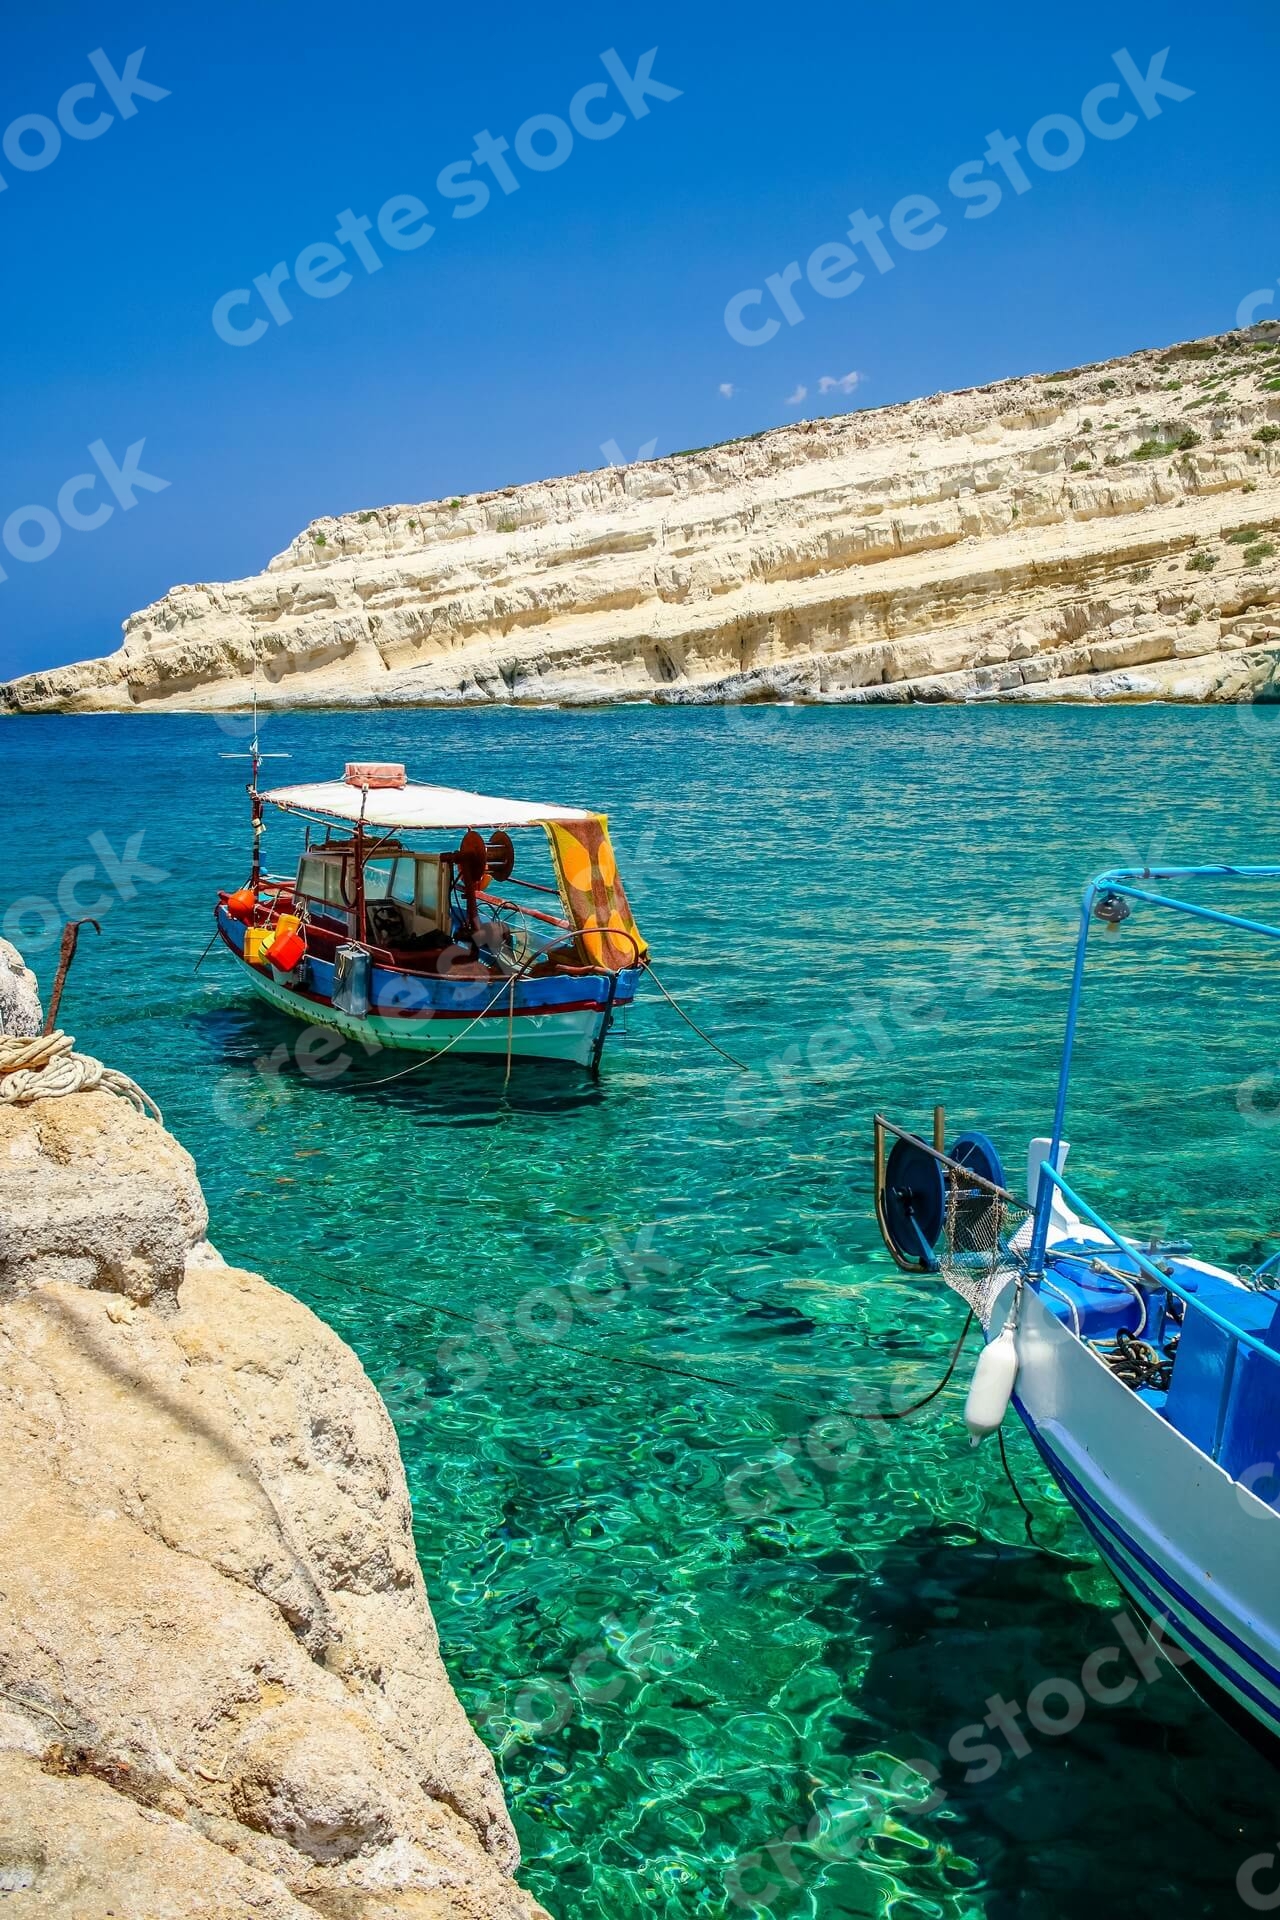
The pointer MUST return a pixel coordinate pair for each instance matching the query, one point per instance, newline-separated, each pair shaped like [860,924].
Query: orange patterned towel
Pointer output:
[594,893]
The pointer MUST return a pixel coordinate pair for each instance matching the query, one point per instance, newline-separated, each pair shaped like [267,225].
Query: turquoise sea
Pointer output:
[711,1626]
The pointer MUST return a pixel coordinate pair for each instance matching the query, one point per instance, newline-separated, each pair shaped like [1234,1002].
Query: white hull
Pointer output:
[1184,1539]
[570,1036]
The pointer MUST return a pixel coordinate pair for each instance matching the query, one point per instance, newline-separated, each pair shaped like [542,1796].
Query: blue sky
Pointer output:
[587,306]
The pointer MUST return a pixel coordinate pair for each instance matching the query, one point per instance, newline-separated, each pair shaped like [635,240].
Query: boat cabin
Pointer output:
[407,894]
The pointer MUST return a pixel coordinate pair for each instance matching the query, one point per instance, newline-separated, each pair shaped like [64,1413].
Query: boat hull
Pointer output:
[1189,1545]
[561,1018]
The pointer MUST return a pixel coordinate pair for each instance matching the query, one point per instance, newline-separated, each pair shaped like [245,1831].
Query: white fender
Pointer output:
[991,1388]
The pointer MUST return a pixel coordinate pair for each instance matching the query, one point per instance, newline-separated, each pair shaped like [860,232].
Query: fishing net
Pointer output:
[984,1239]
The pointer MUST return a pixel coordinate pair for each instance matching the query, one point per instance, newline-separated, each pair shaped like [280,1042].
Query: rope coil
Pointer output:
[46,1067]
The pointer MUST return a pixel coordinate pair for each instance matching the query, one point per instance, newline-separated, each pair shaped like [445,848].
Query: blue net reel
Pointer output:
[976,1152]
[914,1204]
[925,1200]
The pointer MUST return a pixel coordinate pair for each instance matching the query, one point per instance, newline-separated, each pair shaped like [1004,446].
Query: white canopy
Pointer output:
[417,806]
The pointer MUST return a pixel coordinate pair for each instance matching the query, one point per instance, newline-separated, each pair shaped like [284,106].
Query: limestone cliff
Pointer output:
[1099,534]
[221,1692]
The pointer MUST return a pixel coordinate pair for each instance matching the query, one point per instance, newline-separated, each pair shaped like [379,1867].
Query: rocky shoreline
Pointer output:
[1110,533]
[221,1690]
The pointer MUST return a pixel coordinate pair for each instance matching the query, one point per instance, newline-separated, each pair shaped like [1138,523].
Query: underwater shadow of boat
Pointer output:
[958,1622]
[248,1040]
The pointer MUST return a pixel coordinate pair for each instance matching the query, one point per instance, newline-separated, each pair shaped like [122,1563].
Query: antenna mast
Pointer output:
[255,756]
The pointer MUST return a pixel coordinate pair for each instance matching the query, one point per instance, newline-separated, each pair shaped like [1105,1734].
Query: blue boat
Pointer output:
[403,922]
[1148,1379]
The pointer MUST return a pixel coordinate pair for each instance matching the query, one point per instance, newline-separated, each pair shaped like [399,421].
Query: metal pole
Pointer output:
[1045,1189]
[602,1031]
[255,798]
[1197,913]
[70,937]
[359,859]
[255,868]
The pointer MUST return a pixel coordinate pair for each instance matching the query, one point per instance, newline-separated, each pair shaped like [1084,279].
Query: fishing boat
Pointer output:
[405,924]
[1148,1379]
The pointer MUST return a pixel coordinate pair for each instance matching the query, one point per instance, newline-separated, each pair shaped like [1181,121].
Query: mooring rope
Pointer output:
[715,1046]
[666,1367]
[430,1059]
[1027,1515]
[45,1067]
[900,1413]
[831,1409]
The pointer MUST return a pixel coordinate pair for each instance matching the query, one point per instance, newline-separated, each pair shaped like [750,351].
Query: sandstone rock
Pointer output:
[221,1691]
[20,1011]
[95,1194]
[72,1846]
[782,566]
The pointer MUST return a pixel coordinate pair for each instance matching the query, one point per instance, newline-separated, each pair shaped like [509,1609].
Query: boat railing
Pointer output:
[526,913]
[1236,1337]
[1107,898]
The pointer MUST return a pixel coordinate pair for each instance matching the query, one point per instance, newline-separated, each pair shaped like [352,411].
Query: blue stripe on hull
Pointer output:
[1160,1588]
[404,995]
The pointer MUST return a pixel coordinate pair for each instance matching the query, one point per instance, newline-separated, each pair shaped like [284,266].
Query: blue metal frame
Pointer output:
[1120,880]
[1086,1212]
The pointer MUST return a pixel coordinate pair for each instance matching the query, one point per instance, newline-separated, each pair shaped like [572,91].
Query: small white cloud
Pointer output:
[844,383]
[727,389]
[794,399]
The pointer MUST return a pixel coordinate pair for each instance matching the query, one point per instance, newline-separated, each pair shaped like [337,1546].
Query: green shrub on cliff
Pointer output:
[1159,449]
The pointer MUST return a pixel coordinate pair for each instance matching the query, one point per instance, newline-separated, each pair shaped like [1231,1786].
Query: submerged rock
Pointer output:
[221,1690]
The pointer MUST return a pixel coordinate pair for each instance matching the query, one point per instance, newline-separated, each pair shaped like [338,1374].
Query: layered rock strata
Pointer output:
[221,1692]
[1108,533]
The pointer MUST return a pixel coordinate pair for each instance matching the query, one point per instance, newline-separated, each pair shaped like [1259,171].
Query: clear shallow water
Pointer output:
[694,1619]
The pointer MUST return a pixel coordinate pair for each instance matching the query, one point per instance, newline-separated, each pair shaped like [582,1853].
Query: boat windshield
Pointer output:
[399,879]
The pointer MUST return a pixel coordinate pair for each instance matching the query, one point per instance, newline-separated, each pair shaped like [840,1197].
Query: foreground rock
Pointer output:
[1050,537]
[221,1691]
[20,1011]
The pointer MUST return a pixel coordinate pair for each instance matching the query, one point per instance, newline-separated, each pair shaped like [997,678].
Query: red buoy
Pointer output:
[286,950]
